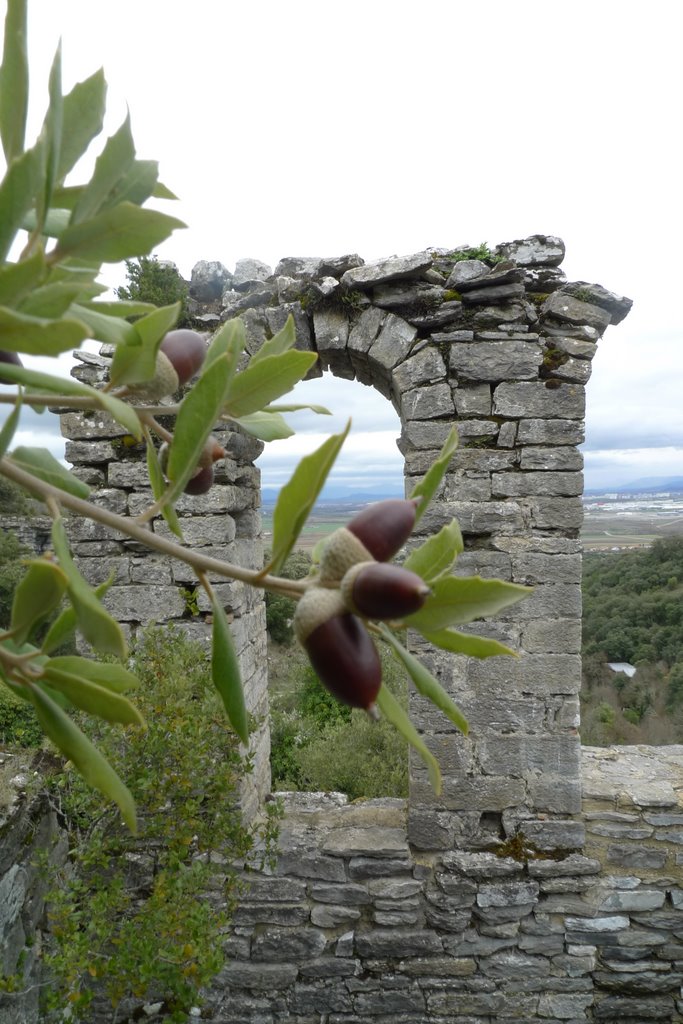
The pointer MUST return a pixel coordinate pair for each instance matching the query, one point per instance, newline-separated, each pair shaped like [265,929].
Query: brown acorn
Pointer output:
[384,527]
[186,351]
[201,482]
[13,359]
[380,591]
[339,648]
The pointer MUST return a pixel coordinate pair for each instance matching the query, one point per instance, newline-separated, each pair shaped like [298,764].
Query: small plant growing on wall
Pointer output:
[50,302]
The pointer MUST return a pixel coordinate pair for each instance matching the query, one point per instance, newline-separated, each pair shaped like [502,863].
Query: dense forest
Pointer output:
[633,612]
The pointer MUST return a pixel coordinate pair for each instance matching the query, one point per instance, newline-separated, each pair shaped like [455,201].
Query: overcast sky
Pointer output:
[387,127]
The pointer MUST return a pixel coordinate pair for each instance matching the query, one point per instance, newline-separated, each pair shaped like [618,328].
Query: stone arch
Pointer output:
[499,342]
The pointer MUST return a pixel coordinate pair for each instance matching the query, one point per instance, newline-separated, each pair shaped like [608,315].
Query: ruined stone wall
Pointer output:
[149,588]
[29,834]
[356,925]
[504,899]
[500,343]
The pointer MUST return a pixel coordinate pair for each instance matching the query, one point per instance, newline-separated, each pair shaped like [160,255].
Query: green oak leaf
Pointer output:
[437,554]
[424,681]
[299,495]
[37,595]
[455,600]
[42,464]
[394,713]
[85,757]
[225,672]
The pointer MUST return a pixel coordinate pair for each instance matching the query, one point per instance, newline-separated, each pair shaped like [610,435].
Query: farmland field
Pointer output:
[610,526]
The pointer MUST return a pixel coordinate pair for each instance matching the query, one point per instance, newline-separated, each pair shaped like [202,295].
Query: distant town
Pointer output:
[619,519]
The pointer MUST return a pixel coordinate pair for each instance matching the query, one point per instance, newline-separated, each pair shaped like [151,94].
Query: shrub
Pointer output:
[18,723]
[158,282]
[319,744]
[131,919]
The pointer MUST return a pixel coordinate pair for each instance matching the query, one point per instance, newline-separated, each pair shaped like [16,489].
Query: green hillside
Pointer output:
[633,612]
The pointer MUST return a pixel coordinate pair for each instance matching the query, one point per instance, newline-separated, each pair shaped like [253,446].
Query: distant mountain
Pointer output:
[336,495]
[645,484]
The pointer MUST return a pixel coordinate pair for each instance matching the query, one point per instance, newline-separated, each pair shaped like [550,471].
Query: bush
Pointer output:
[319,744]
[150,280]
[12,568]
[130,918]
[18,723]
[279,608]
[360,757]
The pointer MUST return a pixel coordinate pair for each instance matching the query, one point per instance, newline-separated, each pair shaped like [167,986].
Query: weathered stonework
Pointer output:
[28,834]
[548,920]
[501,347]
[506,898]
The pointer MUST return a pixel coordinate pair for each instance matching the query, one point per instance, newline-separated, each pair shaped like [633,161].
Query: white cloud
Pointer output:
[289,129]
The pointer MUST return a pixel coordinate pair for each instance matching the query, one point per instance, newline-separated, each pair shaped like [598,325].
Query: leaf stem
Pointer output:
[122,524]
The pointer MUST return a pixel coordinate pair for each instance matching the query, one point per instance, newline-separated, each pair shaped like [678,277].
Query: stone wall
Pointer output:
[506,898]
[28,833]
[502,346]
[355,924]
[149,588]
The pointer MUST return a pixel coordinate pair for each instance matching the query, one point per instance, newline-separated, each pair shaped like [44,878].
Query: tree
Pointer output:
[157,282]
[50,305]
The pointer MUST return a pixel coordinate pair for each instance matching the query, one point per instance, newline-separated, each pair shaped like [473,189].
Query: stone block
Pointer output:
[330,916]
[558,794]
[481,793]
[546,484]
[562,636]
[472,400]
[568,309]
[366,842]
[636,856]
[564,431]
[533,568]
[556,513]
[85,451]
[561,460]
[144,603]
[475,517]
[199,531]
[536,400]
[426,367]
[429,402]
[393,343]
[396,268]
[494,361]
[381,943]
[507,894]
[349,893]
[516,755]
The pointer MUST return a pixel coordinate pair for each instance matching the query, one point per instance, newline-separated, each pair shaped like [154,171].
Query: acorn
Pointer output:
[180,356]
[13,359]
[384,527]
[201,482]
[186,351]
[339,648]
[380,591]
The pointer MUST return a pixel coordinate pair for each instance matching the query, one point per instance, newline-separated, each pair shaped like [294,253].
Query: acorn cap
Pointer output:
[317,605]
[342,550]
[348,582]
[164,382]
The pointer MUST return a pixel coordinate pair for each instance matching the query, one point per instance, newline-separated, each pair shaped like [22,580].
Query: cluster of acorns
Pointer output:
[356,583]
[180,356]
